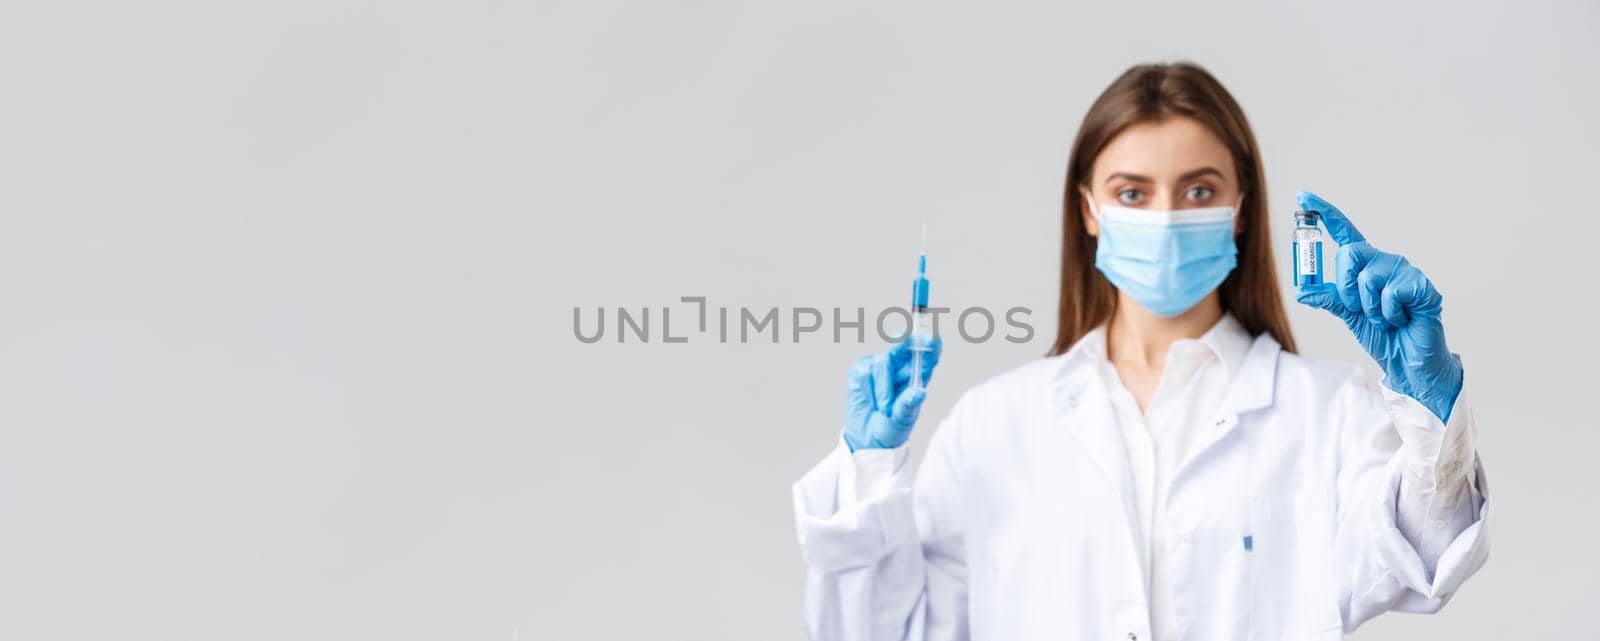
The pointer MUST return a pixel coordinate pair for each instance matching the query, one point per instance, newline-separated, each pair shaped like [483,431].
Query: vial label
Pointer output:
[1307,256]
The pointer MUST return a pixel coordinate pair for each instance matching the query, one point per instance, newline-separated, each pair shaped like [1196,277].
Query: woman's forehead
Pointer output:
[1164,150]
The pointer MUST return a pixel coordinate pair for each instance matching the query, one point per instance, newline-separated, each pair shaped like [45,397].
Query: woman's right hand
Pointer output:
[880,407]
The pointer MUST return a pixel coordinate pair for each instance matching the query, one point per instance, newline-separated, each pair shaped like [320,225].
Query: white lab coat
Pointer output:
[1021,522]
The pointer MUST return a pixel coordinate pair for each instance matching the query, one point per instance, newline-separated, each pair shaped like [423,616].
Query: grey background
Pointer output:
[287,346]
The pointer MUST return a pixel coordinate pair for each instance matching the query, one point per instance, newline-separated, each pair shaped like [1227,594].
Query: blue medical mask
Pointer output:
[1166,260]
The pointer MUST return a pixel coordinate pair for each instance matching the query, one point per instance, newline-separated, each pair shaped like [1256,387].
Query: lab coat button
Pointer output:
[1220,421]
[1438,524]
[1133,637]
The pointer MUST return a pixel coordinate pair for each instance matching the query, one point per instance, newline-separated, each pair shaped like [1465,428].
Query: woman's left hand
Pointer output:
[1392,309]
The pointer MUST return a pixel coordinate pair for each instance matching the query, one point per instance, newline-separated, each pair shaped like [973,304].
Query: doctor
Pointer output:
[1174,470]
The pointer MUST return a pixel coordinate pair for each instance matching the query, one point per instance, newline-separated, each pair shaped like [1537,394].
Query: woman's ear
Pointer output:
[1091,223]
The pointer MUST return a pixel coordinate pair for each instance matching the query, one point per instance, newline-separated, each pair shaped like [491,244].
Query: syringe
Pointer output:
[921,322]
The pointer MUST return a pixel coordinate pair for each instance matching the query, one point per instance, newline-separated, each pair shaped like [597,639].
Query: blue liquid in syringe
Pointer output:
[921,329]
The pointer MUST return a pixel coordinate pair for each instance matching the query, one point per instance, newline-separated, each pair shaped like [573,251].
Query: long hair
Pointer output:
[1149,93]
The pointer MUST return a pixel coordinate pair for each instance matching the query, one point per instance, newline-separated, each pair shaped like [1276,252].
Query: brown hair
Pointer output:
[1153,92]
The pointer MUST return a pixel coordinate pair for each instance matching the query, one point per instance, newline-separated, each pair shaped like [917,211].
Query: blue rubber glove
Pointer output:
[879,409]
[1392,309]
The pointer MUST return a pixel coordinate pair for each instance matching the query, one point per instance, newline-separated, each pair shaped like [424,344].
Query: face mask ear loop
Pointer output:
[1094,208]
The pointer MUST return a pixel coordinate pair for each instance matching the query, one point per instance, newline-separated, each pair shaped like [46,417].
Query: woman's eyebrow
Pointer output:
[1203,171]
[1129,177]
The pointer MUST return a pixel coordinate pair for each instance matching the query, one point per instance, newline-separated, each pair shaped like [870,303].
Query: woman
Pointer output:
[1173,470]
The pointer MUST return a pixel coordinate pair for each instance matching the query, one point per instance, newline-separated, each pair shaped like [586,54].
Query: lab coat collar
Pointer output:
[1254,384]
[1251,361]
[1230,342]
[1226,338]
[1083,407]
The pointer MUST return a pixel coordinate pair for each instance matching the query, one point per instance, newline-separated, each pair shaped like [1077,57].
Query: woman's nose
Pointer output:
[1169,199]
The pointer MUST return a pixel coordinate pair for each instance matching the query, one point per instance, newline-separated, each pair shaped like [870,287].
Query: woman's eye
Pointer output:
[1130,196]
[1200,193]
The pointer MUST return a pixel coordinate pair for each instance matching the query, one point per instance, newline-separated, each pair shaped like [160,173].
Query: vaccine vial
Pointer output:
[1307,249]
